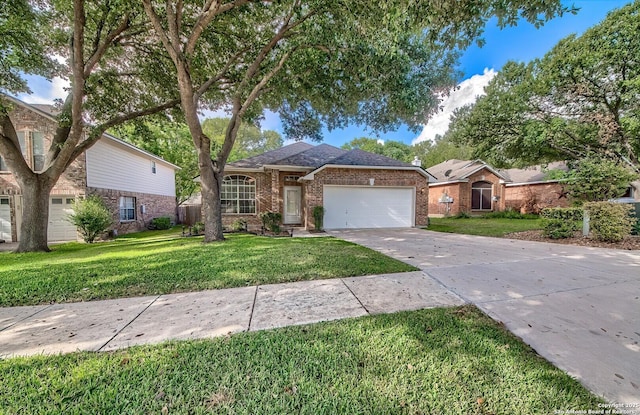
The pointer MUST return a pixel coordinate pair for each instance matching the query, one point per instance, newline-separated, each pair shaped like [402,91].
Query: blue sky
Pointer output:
[521,43]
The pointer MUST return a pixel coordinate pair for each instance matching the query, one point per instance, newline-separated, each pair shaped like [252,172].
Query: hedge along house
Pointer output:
[136,185]
[357,189]
[475,187]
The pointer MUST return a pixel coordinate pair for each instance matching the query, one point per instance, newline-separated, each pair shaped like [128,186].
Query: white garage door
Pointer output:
[5,219]
[60,229]
[348,207]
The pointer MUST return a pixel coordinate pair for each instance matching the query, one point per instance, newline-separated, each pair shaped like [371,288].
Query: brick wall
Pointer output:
[155,206]
[461,194]
[535,197]
[360,177]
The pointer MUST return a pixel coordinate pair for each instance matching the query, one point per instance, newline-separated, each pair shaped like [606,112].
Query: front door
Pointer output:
[292,204]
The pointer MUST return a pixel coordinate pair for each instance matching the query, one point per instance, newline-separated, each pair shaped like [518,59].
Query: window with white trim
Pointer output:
[238,194]
[127,209]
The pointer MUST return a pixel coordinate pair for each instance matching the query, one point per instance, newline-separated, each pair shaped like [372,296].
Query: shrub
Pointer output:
[569,214]
[462,215]
[560,223]
[197,228]
[595,179]
[271,221]
[161,223]
[609,222]
[318,217]
[559,228]
[91,216]
[239,225]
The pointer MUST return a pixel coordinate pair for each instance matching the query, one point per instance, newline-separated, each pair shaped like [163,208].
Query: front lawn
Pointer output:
[483,226]
[157,262]
[439,361]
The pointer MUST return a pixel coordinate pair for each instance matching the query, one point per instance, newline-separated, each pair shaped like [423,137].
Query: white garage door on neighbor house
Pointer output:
[350,207]
[5,219]
[60,229]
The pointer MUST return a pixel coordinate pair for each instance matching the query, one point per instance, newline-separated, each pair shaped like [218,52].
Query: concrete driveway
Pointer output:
[578,307]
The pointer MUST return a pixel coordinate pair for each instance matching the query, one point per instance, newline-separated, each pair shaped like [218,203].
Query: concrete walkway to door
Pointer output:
[578,307]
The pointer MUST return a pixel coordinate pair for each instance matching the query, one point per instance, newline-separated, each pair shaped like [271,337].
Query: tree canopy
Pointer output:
[390,148]
[251,140]
[581,99]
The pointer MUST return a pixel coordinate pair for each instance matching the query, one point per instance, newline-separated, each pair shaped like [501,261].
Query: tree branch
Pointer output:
[99,52]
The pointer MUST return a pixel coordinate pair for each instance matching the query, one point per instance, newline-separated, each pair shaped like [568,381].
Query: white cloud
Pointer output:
[46,92]
[380,141]
[466,93]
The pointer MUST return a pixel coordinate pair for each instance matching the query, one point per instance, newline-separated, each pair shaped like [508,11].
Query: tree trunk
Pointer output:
[211,207]
[35,215]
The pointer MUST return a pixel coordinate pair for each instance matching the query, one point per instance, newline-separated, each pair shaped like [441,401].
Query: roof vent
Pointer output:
[416,162]
[447,173]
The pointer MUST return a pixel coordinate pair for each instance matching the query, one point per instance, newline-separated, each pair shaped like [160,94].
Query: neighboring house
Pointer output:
[137,186]
[473,186]
[357,189]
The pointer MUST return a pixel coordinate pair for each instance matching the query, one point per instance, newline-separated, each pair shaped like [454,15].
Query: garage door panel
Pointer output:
[5,219]
[368,207]
[60,229]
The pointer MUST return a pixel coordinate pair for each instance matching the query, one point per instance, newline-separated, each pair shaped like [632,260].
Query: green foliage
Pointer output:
[559,228]
[161,223]
[572,214]
[442,149]
[392,149]
[609,222]
[318,217]
[594,180]
[271,221]
[239,225]
[197,228]
[579,99]
[91,217]
[462,215]
[509,214]
[251,140]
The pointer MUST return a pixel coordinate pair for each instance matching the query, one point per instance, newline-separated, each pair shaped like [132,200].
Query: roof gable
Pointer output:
[460,170]
[313,157]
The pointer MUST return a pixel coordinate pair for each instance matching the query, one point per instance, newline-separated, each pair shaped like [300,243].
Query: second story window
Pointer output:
[32,146]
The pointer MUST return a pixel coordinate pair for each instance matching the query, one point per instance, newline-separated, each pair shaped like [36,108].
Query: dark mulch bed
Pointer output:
[631,243]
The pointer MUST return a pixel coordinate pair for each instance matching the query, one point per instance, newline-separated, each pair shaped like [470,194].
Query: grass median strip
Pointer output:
[444,361]
[157,262]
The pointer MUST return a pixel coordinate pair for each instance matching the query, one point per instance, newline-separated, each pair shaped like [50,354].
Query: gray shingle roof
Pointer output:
[313,157]
[534,173]
[271,157]
[453,170]
[357,157]
[308,156]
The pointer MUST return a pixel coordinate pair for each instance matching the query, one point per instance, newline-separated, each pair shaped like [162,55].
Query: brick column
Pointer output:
[275,190]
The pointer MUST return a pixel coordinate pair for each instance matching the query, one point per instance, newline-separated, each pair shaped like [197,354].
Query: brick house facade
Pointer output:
[524,190]
[295,179]
[112,169]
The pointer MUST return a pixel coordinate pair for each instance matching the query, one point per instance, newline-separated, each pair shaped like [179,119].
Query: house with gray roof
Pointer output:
[475,187]
[357,189]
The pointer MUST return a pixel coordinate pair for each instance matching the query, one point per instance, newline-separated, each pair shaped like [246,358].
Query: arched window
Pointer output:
[238,194]
[481,195]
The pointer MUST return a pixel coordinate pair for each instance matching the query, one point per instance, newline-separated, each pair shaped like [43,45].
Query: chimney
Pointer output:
[416,162]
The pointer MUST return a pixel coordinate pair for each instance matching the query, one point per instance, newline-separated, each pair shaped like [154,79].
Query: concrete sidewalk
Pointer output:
[114,324]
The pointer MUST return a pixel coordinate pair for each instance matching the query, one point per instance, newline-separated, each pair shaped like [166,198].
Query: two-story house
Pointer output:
[136,185]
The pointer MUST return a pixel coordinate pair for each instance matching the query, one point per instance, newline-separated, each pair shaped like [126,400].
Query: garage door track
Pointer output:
[578,307]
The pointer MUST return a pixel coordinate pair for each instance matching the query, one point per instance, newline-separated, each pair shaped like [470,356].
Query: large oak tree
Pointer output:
[582,99]
[114,75]
[318,63]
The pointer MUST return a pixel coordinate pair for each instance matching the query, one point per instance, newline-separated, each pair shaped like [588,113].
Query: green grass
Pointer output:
[439,361]
[483,226]
[160,262]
